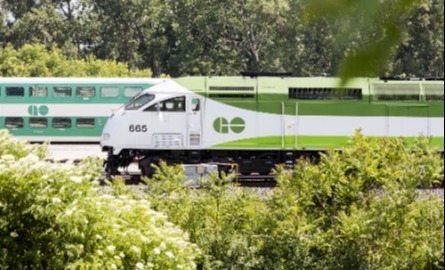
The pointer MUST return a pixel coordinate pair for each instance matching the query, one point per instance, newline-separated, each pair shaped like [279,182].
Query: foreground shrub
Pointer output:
[361,208]
[227,224]
[52,217]
[356,209]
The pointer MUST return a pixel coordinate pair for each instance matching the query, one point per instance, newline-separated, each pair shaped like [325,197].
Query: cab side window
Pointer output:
[196,105]
[176,104]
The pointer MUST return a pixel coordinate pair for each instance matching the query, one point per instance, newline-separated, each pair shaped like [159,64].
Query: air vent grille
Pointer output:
[397,92]
[325,93]
[433,92]
[231,88]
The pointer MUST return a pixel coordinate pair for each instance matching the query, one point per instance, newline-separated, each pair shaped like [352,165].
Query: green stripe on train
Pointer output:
[305,142]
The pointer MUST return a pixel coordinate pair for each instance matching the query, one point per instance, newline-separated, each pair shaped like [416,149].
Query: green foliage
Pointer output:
[378,25]
[19,149]
[355,209]
[36,61]
[363,207]
[53,217]
[201,37]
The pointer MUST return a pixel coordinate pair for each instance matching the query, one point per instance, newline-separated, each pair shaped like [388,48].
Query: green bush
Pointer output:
[361,208]
[53,217]
[356,209]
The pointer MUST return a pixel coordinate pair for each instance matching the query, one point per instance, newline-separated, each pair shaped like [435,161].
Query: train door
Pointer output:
[407,121]
[289,125]
[194,128]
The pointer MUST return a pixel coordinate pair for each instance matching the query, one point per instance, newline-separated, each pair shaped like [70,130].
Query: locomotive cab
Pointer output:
[163,117]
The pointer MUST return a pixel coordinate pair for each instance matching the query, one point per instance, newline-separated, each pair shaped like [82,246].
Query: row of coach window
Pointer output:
[67,91]
[57,122]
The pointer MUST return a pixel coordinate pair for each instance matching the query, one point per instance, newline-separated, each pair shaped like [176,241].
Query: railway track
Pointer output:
[133,177]
[254,181]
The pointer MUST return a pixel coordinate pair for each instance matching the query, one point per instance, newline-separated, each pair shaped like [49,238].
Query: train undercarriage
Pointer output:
[249,161]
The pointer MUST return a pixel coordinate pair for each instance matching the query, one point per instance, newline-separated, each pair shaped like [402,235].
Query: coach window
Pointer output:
[14,122]
[62,122]
[176,104]
[109,91]
[85,123]
[15,91]
[85,91]
[38,91]
[38,122]
[132,91]
[62,91]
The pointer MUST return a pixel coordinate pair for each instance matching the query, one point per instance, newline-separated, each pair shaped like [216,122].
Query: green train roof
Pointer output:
[314,88]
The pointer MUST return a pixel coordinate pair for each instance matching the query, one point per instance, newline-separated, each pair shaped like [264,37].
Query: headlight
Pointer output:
[105,137]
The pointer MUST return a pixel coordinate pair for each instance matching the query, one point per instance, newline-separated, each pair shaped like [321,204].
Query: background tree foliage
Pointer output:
[209,37]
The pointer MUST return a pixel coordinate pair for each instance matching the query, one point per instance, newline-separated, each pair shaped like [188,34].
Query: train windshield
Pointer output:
[138,102]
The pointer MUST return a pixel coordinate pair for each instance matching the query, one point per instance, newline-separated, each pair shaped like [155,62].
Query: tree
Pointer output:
[381,26]
[421,50]
[209,37]
[37,61]
[140,30]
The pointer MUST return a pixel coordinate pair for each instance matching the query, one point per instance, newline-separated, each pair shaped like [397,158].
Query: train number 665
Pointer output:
[138,128]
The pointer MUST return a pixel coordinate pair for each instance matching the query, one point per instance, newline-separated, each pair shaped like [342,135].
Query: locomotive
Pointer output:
[258,121]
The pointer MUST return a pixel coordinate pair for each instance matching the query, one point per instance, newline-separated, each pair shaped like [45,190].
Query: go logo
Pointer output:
[35,110]
[222,125]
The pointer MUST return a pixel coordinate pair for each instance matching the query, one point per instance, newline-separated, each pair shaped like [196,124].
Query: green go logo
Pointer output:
[35,110]
[223,126]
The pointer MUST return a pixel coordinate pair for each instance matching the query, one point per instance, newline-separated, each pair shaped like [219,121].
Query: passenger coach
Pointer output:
[63,109]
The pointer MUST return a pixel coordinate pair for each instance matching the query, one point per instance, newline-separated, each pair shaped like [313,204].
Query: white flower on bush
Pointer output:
[111,248]
[139,265]
[76,179]
[14,235]
[69,212]
[9,158]
[56,200]
[135,250]
[31,159]
[170,254]
[144,239]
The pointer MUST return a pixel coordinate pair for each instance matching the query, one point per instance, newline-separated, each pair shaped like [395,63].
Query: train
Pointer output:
[258,120]
[64,109]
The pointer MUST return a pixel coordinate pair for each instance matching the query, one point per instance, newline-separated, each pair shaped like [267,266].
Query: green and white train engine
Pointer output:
[257,121]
